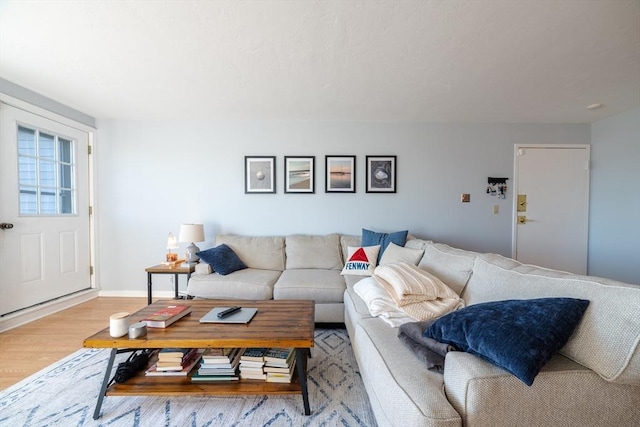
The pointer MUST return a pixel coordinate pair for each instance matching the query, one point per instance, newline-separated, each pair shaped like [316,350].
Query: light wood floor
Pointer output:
[29,348]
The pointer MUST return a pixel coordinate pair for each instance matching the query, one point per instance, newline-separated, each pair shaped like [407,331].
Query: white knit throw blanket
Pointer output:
[417,292]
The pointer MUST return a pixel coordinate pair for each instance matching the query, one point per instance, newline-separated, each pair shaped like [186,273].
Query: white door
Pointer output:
[44,210]
[551,206]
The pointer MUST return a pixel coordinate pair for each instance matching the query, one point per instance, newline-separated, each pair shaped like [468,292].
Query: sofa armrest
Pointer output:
[202,268]
[568,394]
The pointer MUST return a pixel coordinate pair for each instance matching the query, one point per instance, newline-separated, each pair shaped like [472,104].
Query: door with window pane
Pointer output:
[44,196]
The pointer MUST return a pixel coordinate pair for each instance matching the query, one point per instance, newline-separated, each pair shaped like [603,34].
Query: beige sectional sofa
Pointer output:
[290,267]
[593,381]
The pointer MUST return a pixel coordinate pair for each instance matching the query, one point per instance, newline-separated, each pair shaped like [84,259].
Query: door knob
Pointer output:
[5,226]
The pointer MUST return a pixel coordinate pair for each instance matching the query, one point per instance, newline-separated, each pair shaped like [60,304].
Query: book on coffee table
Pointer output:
[166,316]
[198,377]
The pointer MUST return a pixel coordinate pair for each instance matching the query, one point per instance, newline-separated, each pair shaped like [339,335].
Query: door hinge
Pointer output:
[91,270]
[90,210]
[90,149]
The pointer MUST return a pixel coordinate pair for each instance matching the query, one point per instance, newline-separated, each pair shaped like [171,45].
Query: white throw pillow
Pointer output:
[361,261]
[395,253]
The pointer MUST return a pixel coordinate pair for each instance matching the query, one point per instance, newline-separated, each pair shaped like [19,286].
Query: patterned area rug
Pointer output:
[65,394]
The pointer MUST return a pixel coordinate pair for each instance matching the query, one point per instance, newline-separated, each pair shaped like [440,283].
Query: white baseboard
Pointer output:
[136,294]
[22,317]
[14,320]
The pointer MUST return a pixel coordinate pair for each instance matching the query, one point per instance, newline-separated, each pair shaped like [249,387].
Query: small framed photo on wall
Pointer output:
[259,174]
[381,174]
[340,174]
[299,174]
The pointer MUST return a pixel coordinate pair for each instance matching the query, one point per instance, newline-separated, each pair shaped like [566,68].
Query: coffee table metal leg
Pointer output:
[301,354]
[105,383]
[149,285]
[175,284]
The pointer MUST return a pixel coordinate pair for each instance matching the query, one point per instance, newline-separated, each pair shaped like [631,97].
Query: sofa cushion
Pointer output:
[395,253]
[260,252]
[345,242]
[222,259]
[608,338]
[519,336]
[323,286]
[402,392]
[350,280]
[313,252]
[372,238]
[249,283]
[452,266]
[564,393]
[415,243]
[361,261]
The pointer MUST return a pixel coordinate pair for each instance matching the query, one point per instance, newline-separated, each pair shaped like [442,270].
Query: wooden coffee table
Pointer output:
[281,323]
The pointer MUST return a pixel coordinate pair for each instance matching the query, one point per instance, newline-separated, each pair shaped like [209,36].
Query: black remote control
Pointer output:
[228,311]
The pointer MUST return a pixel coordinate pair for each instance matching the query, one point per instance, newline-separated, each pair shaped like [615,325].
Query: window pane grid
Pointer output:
[46,172]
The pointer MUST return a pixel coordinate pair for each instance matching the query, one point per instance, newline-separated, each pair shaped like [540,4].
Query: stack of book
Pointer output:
[279,364]
[252,363]
[175,362]
[219,364]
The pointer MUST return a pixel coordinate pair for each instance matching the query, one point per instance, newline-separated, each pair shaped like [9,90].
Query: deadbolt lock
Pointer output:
[522,203]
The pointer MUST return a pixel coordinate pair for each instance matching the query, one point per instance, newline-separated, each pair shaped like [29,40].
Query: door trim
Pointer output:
[514,207]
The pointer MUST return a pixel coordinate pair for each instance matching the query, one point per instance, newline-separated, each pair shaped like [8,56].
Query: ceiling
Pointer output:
[530,61]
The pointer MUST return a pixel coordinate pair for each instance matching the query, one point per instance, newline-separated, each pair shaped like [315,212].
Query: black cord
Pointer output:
[129,368]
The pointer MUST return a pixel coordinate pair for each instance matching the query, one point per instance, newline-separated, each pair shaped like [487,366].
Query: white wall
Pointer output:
[614,214]
[154,175]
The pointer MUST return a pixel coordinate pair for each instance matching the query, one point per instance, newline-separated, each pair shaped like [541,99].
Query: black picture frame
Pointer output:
[340,174]
[381,174]
[299,174]
[259,174]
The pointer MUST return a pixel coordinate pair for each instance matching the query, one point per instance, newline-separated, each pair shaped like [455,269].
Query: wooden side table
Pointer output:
[165,269]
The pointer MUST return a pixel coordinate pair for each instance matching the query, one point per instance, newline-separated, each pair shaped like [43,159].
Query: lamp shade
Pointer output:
[172,242]
[190,233]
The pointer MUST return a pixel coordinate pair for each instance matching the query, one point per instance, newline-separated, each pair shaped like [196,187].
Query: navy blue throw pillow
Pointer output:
[519,336]
[222,259]
[371,238]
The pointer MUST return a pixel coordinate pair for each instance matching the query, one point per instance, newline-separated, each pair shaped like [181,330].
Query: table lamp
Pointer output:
[190,233]
[172,243]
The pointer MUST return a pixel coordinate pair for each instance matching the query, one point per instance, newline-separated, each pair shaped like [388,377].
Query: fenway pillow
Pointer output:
[361,261]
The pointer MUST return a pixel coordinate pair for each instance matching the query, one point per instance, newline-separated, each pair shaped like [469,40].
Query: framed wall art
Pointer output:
[299,174]
[381,174]
[340,174]
[259,174]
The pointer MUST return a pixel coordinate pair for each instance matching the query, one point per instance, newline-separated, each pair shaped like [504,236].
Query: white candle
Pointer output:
[119,324]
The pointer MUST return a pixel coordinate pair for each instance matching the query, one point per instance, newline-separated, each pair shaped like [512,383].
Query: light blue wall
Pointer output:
[614,214]
[155,175]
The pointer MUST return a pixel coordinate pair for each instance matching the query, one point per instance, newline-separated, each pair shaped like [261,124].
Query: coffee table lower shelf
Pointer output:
[142,385]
